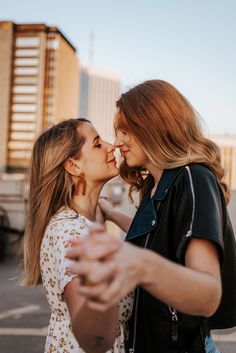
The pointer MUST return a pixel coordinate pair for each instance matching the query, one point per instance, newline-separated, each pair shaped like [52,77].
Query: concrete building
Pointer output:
[227,146]
[99,91]
[39,83]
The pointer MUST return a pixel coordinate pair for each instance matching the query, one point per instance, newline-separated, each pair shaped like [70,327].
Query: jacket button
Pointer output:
[153,222]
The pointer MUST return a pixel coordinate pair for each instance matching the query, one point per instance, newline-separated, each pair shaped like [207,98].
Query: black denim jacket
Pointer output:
[190,204]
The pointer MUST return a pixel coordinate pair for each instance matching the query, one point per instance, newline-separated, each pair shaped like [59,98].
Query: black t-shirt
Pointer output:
[188,202]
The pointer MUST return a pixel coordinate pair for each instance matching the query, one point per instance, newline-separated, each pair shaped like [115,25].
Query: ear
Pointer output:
[72,167]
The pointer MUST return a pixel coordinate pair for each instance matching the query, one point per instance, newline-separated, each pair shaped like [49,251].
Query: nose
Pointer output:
[118,143]
[110,147]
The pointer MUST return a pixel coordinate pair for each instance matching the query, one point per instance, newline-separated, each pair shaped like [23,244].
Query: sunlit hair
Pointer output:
[50,187]
[168,128]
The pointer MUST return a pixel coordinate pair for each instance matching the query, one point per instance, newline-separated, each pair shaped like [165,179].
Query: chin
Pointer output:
[116,172]
[112,175]
[132,164]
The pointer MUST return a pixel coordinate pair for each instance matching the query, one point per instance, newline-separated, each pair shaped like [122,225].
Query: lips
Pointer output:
[124,152]
[113,160]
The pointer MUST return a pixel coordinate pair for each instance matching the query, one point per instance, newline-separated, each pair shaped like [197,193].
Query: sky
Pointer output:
[190,43]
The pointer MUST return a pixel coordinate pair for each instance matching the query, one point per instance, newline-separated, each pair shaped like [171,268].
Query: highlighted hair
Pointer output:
[168,128]
[51,187]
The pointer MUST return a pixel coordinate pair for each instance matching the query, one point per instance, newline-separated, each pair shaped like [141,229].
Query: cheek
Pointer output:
[139,155]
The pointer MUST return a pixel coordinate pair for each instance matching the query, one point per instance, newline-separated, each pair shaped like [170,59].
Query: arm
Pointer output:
[95,331]
[111,214]
[196,287]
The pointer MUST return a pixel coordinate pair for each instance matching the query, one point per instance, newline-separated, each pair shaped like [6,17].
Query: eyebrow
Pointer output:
[96,138]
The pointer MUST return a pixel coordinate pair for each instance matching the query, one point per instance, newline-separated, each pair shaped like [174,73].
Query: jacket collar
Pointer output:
[146,218]
[167,178]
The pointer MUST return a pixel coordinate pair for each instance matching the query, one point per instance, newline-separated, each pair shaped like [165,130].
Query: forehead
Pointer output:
[120,122]
[88,131]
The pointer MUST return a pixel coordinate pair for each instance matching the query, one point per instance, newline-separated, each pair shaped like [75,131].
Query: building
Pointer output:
[39,82]
[99,91]
[227,146]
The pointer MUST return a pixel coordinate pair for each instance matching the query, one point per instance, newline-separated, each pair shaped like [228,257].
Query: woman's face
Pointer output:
[97,160]
[130,149]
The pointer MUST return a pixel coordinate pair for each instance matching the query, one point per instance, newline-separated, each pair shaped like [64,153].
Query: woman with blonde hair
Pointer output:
[69,166]
[179,248]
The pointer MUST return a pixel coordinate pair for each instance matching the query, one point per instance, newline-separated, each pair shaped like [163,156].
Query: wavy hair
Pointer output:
[168,128]
[50,188]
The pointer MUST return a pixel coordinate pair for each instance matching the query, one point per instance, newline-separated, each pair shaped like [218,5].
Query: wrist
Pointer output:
[148,267]
[111,214]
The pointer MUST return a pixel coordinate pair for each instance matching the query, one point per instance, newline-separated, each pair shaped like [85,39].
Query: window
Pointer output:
[53,44]
[23,80]
[23,126]
[26,52]
[24,99]
[26,70]
[19,145]
[27,41]
[20,154]
[22,136]
[29,108]
[25,89]
[23,117]
[26,62]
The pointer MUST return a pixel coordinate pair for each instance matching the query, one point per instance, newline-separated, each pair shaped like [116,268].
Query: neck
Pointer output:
[87,204]
[156,173]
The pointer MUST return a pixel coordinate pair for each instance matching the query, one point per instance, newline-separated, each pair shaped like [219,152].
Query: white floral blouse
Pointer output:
[64,225]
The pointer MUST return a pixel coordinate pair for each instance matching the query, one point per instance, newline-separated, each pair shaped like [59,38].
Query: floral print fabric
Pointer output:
[63,226]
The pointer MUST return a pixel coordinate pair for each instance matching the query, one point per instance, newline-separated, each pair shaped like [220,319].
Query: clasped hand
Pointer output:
[109,268]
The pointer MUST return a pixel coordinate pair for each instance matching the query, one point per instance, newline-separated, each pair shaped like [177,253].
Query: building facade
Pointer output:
[227,146]
[39,83]
[99,91]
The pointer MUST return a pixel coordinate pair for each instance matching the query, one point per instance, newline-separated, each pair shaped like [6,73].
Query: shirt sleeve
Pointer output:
[197,210]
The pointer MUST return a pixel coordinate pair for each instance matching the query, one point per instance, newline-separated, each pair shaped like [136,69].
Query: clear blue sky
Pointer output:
[190,43]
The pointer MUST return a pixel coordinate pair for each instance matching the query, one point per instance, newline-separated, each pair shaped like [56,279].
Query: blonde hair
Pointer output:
[167,127]
[50,188]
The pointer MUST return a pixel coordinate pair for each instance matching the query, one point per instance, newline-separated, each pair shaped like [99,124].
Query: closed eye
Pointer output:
[98,145]
[121,131]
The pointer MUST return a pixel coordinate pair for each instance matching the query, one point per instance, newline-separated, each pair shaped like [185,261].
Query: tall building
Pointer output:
[227,146]
[99,91]
[39,83]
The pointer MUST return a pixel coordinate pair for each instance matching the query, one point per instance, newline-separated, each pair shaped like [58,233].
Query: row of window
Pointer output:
[20,145]
[26,62]
[24,108]
[31,42]
[25,80]
[19,154]
[27,42]
[22,126]
[20,117]
[27,52]
[22,136]
[25,90]
[28,71]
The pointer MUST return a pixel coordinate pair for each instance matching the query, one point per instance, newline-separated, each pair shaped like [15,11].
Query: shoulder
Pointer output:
[196,188]
[202,181]
[197,177]
[63,214]
[201,171]
[65,224]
